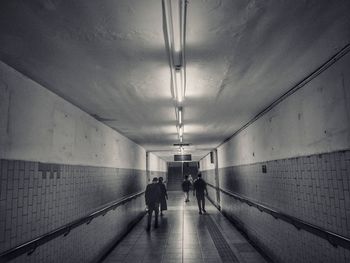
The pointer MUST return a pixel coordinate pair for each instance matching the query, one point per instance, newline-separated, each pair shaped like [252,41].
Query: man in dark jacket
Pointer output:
[152,198]
[200,190]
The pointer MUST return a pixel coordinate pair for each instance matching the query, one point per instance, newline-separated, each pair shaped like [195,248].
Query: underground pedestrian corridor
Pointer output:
[184,236]
[100,100]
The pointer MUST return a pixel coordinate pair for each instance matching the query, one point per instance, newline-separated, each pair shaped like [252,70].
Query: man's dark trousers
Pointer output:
[153,207]
[201,202]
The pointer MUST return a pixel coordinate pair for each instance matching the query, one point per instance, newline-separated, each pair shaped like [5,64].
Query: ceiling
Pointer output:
[109,58]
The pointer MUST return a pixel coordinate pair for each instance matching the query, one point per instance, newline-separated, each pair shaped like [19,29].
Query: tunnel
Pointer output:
[241,107]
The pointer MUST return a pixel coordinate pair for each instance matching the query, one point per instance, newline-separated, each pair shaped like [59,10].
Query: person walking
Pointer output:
[190,179]
[186,186]
[200,190]
[163,196]
[152,198]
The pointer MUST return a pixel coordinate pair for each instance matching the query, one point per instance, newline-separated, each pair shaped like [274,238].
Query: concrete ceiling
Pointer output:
[109,58]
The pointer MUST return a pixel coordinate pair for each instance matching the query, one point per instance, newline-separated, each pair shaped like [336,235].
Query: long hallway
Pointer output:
[185,236]
[98,98]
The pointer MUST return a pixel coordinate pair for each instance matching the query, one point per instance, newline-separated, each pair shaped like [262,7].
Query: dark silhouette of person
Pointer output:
[152,198]
[186,186]
[200,190]
[163,196]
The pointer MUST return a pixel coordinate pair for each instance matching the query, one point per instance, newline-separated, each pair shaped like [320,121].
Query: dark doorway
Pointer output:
[177,171]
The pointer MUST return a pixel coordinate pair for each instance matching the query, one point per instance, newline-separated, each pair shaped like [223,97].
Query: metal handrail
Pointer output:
[331,237]
[30,246]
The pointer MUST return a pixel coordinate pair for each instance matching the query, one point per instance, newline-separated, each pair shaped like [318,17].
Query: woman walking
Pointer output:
[163,196]
[186,186]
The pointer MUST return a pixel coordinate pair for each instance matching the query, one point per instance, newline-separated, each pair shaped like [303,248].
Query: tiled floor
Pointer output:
[185,236]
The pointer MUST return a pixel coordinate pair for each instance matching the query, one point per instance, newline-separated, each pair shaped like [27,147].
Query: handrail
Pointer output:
[331,237]
[31,245]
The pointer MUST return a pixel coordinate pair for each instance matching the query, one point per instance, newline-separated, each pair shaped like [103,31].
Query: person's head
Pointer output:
[199,175]
[155,180]
[186,177]
[160,179]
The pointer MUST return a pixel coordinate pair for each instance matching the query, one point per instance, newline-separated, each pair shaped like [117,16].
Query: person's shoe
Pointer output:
[148,228]
[204,211]
[156,225]
[200,212]
[161,214]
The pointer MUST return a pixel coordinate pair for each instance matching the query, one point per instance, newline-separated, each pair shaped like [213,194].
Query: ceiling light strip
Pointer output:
[180,115]
[169,41]
[183,16]
[175,33]
[181,131]
[174,17]
[179,85]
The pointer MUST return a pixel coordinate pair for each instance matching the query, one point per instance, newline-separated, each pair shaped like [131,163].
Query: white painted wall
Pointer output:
[205,163]
[156,164]
[38,125]
[315,119]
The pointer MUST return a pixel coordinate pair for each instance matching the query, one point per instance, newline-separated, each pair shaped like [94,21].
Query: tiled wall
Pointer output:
[85,243]
[36,198]
[312,188]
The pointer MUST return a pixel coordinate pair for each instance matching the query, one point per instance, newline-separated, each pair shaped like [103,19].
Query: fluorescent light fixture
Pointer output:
[181,131]
[183,84]
[180,115]
[176,17]
[174,13]
[177,13]
[179,90]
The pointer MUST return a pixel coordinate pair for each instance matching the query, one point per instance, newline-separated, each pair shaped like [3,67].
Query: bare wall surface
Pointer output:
[156,164]
[205,163]
[156,167]
[315,119]
[38,125]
